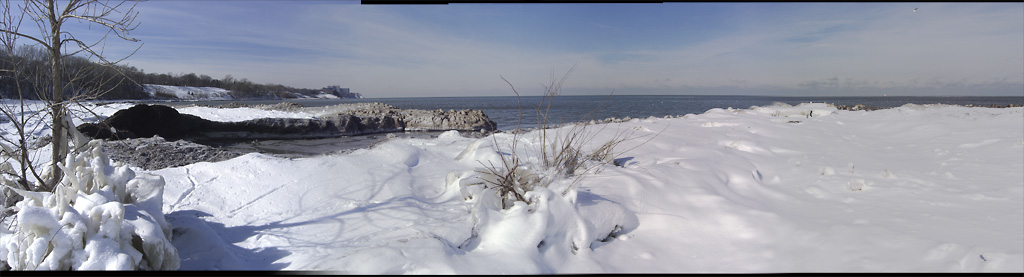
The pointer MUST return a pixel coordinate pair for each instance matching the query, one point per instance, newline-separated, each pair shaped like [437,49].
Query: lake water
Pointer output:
[505,111]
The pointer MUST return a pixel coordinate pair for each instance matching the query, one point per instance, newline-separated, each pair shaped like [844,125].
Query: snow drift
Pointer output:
[781,188]
[806,188]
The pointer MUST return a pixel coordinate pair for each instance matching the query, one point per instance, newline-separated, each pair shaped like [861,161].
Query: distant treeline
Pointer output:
[27,71]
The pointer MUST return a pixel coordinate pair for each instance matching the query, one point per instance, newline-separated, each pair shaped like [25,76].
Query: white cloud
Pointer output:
[380,51]
[959,46]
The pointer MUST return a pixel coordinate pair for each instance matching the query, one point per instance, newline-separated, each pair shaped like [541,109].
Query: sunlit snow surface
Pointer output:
[769,189]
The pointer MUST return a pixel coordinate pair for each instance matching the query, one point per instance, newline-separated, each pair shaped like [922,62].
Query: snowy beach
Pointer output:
[806,188]
[471,139]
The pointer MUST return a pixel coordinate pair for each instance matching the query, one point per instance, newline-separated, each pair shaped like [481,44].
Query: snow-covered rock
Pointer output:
[440,120]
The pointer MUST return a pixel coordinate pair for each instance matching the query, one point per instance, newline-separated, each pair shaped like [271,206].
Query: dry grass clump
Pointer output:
[562,153]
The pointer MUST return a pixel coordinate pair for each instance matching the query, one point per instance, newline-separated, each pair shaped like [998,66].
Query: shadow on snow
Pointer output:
[204,245]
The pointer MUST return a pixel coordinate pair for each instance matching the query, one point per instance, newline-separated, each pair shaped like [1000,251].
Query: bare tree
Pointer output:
[57,86]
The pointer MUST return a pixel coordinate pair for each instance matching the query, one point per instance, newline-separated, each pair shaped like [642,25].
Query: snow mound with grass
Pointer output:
[100,217]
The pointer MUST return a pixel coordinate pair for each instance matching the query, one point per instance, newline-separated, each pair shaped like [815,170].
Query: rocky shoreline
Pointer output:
[156,153]
[158,136]
[144,120]
[407,119]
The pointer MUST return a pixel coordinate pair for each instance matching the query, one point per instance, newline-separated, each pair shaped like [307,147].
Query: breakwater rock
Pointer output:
[142,121]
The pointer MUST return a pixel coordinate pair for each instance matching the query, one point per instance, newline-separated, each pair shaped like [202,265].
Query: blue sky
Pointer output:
[819,49]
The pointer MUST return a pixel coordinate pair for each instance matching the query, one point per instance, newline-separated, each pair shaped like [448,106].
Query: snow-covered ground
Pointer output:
[769,189]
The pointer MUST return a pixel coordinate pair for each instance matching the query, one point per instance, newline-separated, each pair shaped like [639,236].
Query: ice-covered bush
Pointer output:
[100,217]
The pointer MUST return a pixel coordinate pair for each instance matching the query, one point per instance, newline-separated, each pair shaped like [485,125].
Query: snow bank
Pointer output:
[542,233]
[805,110]
[240,114]
[32,111]
[320,96]
[100,217]
[186,93]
